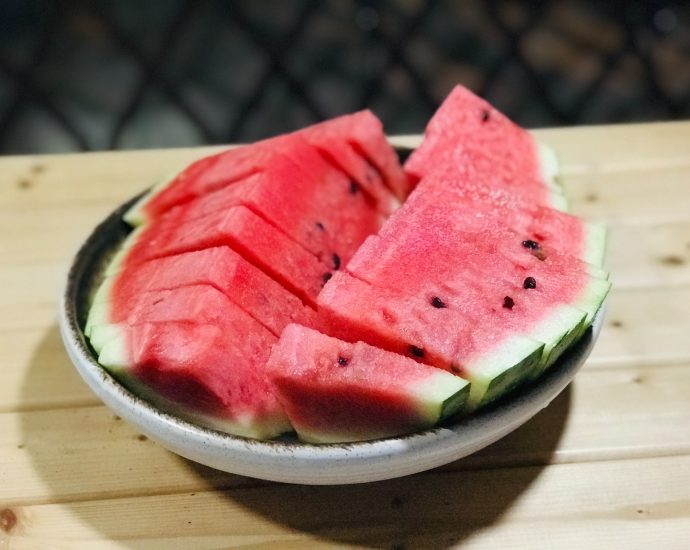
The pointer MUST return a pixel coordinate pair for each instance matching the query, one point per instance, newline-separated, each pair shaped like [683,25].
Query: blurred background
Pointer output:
[126,74]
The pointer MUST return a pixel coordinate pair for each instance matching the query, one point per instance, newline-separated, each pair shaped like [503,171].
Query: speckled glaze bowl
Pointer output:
[287,459]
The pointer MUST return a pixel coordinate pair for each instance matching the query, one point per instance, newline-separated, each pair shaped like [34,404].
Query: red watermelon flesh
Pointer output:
[181,370]
[551,228]
[249,235]
[462,337]
[467,177]
[468,126]
[447,251]
[203,372]
[203,176]
[353,310]
[316,208]
[197,303]
[334,391]
[351,151]
[221,268]
[362,131]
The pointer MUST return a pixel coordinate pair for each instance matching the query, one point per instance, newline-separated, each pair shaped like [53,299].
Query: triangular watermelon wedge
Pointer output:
[221,268]
[334,391]
[182,345]
[468,130]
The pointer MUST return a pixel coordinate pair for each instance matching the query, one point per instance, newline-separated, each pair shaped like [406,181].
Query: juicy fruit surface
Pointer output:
[475,285]
[466,130]
[248,234]
[359,135]
[221,268]
[197,361]
[334,391]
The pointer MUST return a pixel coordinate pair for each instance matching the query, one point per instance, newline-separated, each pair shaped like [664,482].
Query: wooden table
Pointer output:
[607,465]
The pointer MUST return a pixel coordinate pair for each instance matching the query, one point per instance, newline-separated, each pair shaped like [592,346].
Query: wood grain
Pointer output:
[607,465]
[523,507]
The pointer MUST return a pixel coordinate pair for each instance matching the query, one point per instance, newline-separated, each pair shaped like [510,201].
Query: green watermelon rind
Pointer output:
[560,328]
[441,396]
[493,374]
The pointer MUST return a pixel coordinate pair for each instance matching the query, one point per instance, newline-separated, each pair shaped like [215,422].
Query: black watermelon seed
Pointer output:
[529,282]
[485,115]
[417,352]
[437,302]
[326,277]
[336,261]
[320,226]
[508,302]
[354,187]
[342,361]
[532,245]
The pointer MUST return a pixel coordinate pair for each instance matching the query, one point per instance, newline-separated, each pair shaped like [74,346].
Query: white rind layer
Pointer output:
[431,394]
[510,362]
[595,239]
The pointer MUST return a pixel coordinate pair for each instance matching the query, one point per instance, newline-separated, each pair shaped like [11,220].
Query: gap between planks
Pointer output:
[425,510]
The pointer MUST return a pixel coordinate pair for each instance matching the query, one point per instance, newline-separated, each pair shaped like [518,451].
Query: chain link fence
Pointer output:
[131,74]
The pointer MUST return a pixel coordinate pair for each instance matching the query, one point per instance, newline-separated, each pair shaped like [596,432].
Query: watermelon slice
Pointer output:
[316,208]
[474,283]
[466,130]
[249,235]
[363,132]
[478,283]
[221,268]
[493,361]
[355,143]
[181,348]
[334,391]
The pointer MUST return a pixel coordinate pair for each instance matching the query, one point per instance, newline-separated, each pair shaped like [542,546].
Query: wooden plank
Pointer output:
[615,504]
[631,197]
[644,327]
[620,147]
[49,181]
[36,373]
[649,256]
[605,415]
[31,294]
[52,236]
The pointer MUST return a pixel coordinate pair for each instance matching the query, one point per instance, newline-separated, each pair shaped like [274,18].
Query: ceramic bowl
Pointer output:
[287,459]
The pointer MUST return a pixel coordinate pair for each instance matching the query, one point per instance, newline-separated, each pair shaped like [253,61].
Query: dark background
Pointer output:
[160,73]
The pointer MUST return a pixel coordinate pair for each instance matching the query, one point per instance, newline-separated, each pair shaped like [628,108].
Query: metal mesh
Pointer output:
[125,74]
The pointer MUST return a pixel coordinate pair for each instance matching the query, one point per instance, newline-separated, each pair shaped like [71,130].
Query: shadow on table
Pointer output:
[432,509]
